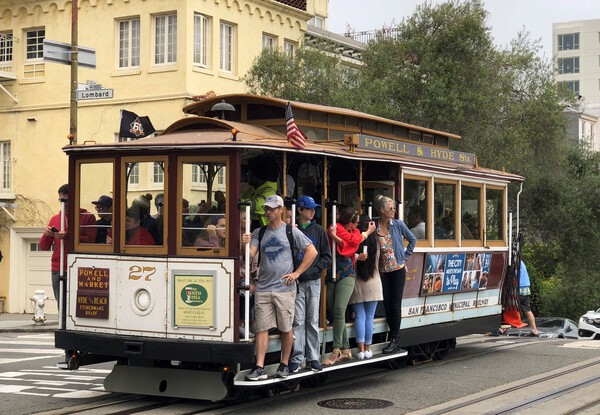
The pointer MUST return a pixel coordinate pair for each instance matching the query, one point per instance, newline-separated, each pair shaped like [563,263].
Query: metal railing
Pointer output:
[370,35]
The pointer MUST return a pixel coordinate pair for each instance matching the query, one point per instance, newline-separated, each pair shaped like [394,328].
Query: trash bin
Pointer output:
[2,304]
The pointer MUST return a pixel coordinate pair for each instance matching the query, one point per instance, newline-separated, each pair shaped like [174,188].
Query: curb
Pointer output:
[52,326]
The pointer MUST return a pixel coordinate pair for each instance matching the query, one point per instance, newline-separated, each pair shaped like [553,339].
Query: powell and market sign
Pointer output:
[384,145]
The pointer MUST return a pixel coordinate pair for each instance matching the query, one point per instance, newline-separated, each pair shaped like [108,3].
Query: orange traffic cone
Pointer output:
[512,317]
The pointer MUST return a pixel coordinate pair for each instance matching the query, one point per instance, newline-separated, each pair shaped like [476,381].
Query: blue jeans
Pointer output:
[306,322]
[364,313]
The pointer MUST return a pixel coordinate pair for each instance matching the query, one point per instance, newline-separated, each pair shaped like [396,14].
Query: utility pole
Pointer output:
[74,80]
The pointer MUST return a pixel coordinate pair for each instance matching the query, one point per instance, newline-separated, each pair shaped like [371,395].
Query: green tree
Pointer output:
[310,75]
[442,71]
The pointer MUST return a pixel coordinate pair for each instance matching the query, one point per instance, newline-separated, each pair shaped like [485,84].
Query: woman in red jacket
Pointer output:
[134,233]
[347,238]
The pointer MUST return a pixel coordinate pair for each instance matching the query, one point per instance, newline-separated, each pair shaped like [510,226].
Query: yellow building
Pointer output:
[152,57]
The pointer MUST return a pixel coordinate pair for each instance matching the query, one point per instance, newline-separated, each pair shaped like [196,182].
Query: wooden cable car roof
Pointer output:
[196,132]
[201,107]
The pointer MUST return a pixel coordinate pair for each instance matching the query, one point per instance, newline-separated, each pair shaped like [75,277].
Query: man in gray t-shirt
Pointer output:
[275,294]
[276,257]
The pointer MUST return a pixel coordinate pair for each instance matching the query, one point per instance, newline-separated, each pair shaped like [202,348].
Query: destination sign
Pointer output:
[367,142]
[93,286]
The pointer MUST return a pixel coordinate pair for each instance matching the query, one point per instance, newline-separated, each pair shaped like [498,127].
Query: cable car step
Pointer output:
[240,377]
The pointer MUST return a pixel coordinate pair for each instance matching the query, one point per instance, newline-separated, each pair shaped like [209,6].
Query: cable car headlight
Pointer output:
[143,301]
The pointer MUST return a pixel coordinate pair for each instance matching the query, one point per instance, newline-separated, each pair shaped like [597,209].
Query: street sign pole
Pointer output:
[74,80]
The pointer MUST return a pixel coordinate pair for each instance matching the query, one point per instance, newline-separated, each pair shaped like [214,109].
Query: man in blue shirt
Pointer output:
[524,293]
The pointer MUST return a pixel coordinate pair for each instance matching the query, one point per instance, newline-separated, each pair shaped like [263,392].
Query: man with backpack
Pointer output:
[274,298]
[306,316]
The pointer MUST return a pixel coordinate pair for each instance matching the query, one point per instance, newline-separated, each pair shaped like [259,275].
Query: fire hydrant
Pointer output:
[39,301]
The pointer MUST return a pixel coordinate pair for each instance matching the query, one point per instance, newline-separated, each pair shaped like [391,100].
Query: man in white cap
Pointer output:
[275,292]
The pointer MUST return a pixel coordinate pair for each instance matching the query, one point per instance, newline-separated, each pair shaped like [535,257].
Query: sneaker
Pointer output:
[283,371]
[259,373]
[294,367]
[315,366]
[360,355]
[368,354]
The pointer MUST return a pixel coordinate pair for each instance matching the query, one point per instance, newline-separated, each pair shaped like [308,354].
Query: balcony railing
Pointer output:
[7,71]
[368,36]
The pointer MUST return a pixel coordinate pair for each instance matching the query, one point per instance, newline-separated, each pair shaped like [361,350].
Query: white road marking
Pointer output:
[583,344]
[25,359]
[29,343]
[48,380]
[33,351]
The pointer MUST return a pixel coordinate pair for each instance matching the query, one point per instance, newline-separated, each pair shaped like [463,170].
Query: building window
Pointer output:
[317,21]
[221,176]
[34,66]
[269,42]
[198,176]
[165,39]
[201,40]
[34,43]
[134,174]
[289,48]
[158,173]
[568,65]
[6,48]
[5,151]
[129,43]
[227,47]
[572,85]
[569,41]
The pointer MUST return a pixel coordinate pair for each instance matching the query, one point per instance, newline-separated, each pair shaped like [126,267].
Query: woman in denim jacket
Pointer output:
[391,233]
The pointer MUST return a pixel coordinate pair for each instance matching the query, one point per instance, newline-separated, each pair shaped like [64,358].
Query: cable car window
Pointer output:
[444,204]
[386,128]
[317,116]
[313,133]
[203,219]
[352,122]
[416,202]
[265,112]
[336,119]
[401,132]
[145,207]
[470,208]
[337,135]
[95,185]
[494,214]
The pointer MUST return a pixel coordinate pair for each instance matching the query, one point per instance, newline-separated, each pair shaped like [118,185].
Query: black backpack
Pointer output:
[290,237]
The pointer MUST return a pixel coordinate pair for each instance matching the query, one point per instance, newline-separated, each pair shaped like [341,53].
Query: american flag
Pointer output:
[294,135]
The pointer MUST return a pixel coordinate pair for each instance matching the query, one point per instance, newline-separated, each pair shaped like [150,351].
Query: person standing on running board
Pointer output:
[367,291]
[275,292]
[391,233]
[306,315]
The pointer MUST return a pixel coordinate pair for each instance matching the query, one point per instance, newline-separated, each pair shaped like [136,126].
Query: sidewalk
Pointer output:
[23,323]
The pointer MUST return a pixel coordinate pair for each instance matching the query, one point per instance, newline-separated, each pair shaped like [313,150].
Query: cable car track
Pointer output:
[538,399]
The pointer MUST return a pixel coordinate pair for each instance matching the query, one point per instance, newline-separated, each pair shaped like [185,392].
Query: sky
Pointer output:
[506,17]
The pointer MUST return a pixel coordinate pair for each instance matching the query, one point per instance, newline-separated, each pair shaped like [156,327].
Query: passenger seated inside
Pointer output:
[149,223]
[135,234]
[214,236]
[188,234]
[104,224]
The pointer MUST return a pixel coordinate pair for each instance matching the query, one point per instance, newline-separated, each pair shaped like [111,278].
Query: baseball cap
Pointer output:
[273,202]
[104,200]
[306,202]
